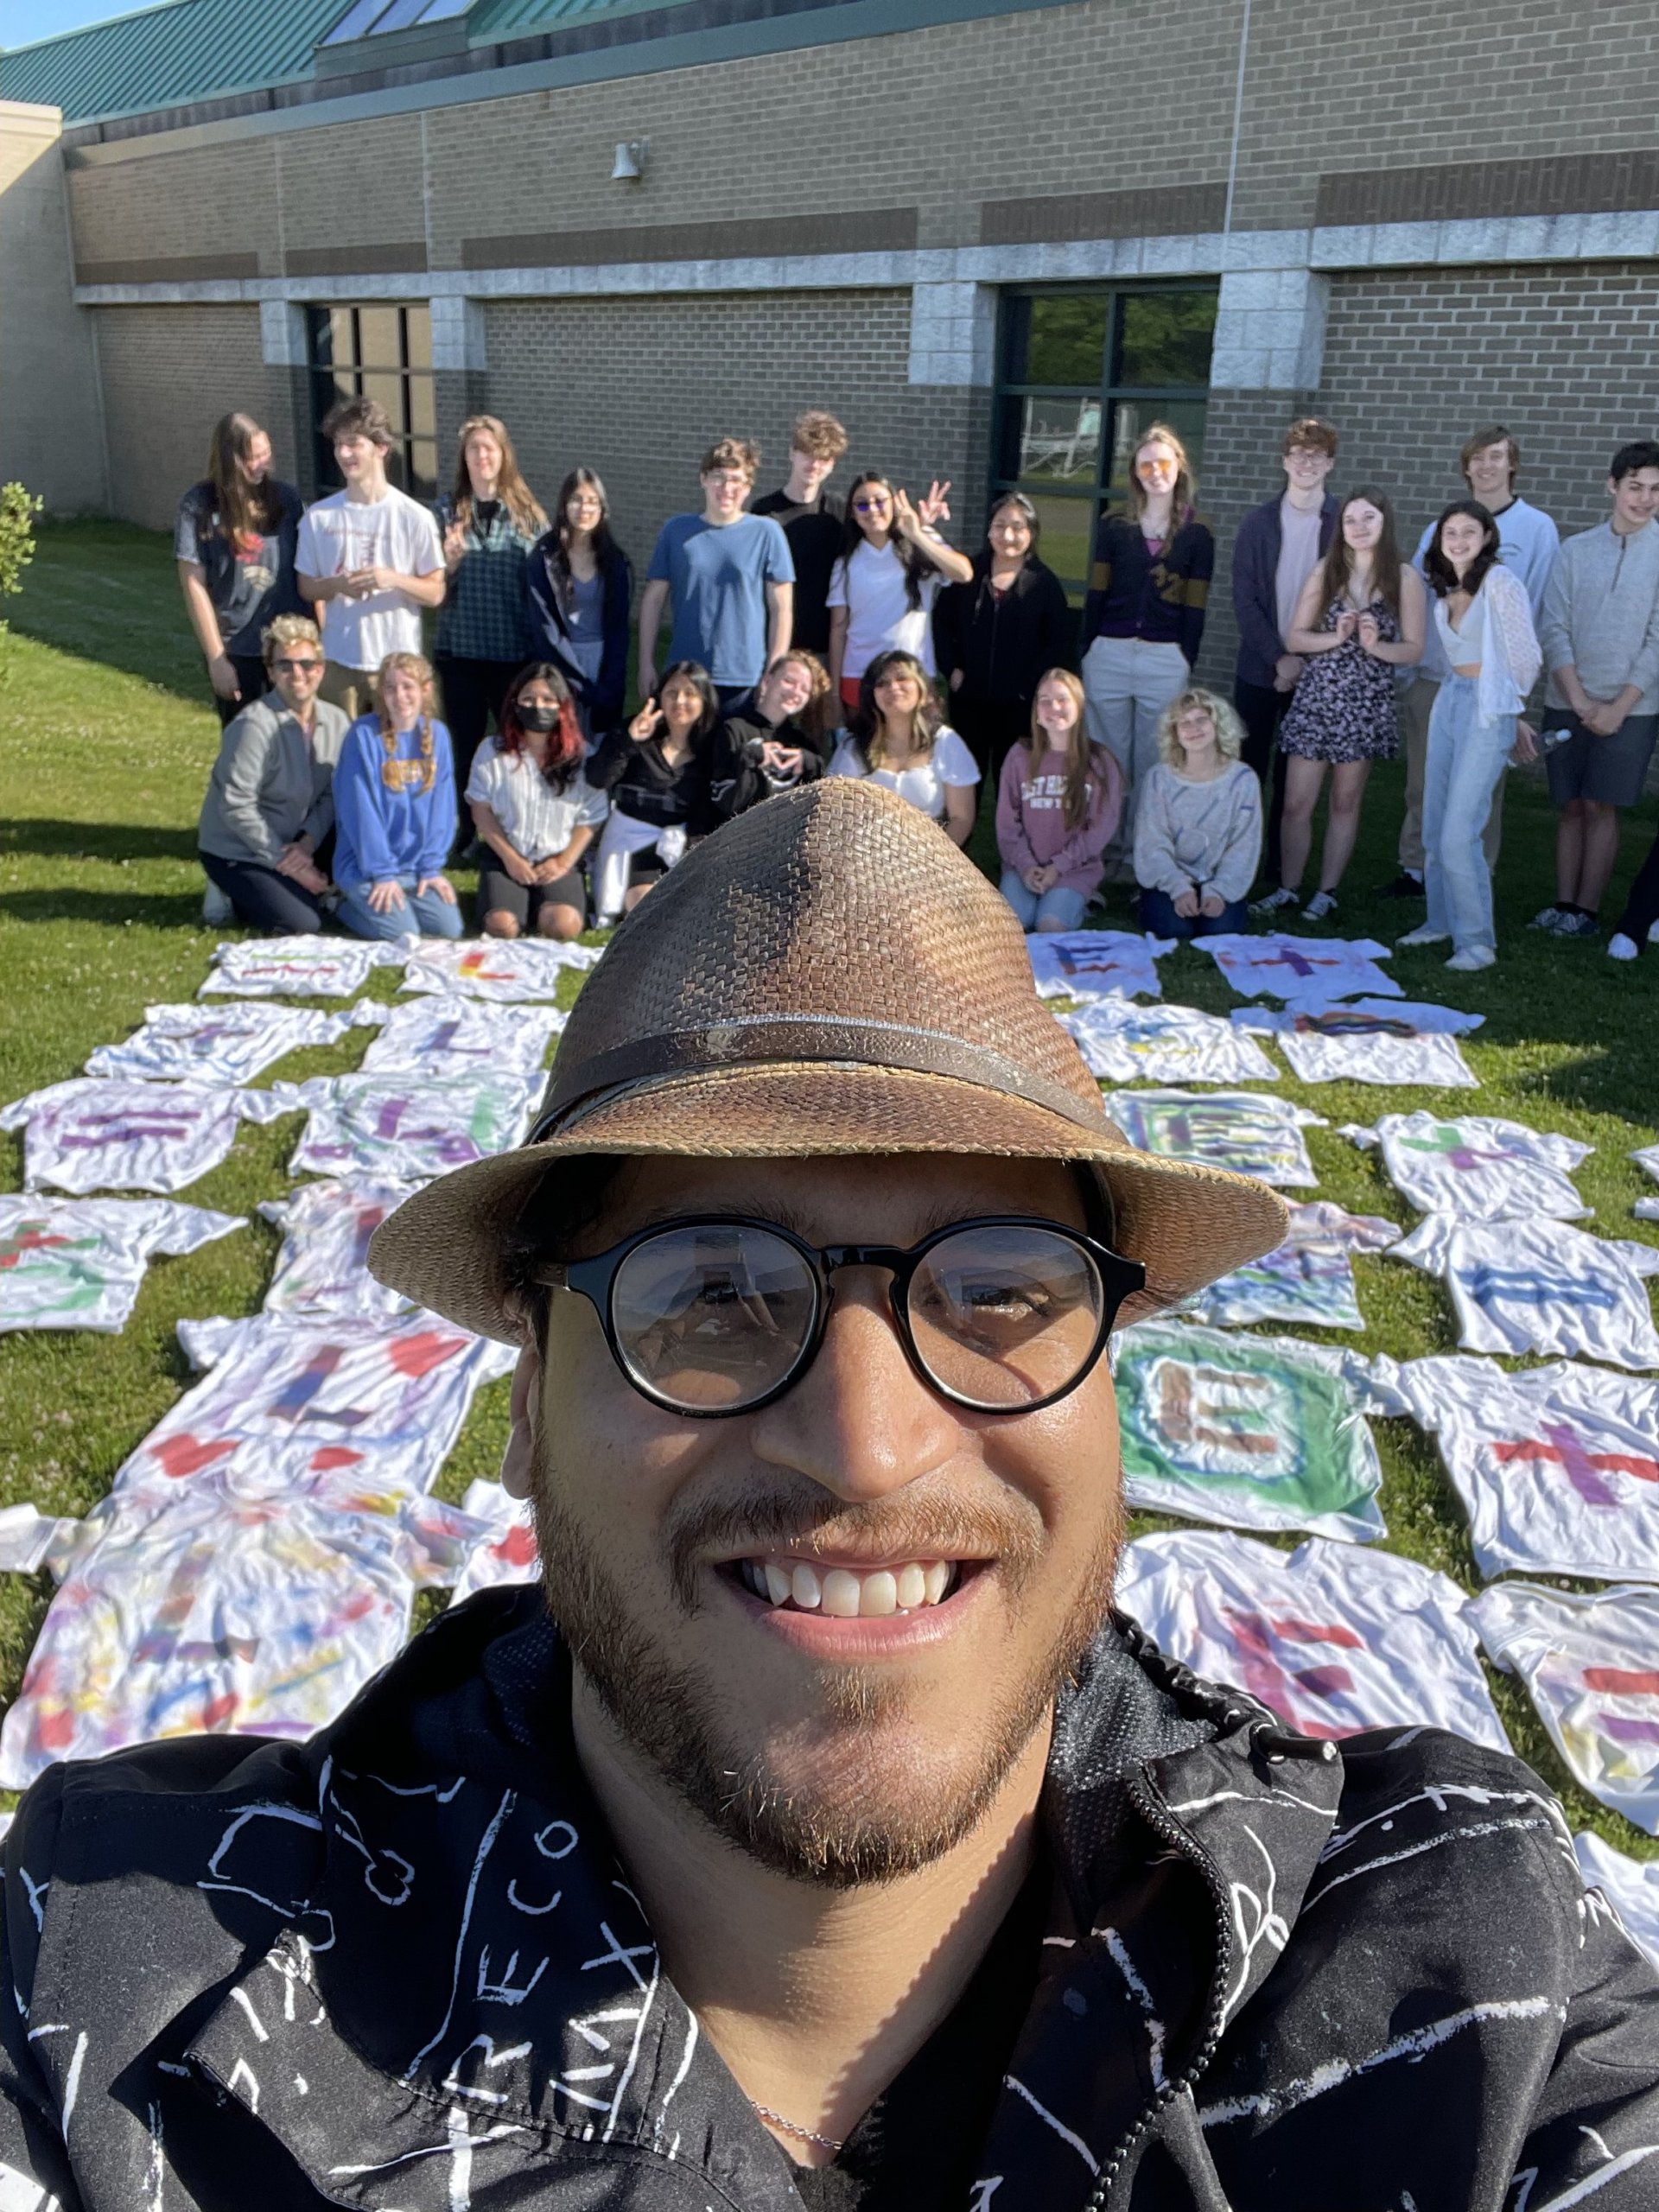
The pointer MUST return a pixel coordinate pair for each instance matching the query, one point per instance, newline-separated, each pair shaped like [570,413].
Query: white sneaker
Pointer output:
[1276,901]
[1473,957]
[1652,933]
[1424,935]
[1620,947]
[1321,904]
[216,909]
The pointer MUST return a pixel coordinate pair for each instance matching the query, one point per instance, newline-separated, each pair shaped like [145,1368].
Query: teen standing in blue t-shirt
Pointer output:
[731,579]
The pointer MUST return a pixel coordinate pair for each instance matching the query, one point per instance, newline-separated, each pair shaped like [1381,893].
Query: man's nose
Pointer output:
[861,1422]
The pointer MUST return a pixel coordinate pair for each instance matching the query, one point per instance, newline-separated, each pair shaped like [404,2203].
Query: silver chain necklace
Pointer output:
[803,2134]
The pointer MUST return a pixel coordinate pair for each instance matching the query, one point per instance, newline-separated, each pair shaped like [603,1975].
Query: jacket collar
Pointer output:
[469,1990]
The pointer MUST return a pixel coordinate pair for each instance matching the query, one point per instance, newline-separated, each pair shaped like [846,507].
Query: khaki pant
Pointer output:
[1416,705]
[347,689]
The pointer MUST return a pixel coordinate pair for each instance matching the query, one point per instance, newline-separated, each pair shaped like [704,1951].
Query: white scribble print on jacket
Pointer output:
[396,1969]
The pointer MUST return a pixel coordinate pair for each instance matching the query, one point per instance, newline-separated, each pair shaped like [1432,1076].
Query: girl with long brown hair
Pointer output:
[234,544]
[394,812]
[1360,617]
[896,737]
[580,585]
[1058,805]
[882,588]
[489,521]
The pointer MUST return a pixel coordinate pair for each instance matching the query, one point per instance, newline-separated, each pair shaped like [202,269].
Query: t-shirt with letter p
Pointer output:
[717,574]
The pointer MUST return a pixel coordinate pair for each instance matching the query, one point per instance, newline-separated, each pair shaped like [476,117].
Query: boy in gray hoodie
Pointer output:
[1600,636]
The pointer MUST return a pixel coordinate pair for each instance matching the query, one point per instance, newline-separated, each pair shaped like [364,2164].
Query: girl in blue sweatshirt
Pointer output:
[395,812]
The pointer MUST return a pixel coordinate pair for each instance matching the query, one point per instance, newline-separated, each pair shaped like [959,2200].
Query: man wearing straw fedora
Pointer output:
[815,1835]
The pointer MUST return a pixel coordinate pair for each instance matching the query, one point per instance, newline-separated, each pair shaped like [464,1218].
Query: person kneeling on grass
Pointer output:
[896,737]
[395,812]
[1058,803]
[533,808]
[269,804]
[657,772]
[1198,835]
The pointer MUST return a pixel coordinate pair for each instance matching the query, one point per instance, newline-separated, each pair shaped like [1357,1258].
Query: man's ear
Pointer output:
[518,1461]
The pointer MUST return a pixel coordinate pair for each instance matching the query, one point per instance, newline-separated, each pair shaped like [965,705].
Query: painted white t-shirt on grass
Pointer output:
[1331,1638]
[1556,1467]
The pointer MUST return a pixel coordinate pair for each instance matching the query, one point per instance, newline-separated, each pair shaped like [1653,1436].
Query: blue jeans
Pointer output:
[1059,909]
[1466,758]
[421,913]
[1157,914]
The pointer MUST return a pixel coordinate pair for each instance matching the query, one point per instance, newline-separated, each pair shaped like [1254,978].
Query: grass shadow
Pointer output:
[104,909]
[97,841]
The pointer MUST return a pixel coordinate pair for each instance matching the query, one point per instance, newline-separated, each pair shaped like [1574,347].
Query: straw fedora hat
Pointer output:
[826,974]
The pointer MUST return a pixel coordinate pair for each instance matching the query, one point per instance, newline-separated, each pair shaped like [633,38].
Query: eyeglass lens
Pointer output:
[714,1318]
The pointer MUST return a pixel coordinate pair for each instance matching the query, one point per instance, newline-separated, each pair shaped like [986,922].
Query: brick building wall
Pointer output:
[1416,359]
[636,388]
[945,124]
[169,374]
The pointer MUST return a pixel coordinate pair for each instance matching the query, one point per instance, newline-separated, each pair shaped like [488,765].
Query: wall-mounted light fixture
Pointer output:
[631,155]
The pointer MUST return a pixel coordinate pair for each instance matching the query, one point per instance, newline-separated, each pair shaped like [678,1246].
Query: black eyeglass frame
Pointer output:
[594,1280]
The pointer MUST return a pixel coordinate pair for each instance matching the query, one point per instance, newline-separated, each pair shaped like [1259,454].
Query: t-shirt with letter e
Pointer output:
[341,534]
[717,574]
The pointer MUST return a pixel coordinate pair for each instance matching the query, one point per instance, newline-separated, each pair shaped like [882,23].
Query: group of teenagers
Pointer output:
[815,637]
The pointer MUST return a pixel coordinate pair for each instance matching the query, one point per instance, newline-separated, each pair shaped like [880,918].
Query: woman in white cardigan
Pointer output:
[1485,621]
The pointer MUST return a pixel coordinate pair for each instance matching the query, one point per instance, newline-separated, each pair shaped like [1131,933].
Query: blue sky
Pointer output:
[23,19]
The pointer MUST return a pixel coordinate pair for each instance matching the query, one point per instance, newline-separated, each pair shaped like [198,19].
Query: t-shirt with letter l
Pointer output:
[717,574]
[341,534]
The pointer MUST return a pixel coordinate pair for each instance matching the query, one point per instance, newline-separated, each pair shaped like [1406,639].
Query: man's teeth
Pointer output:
[845,1595]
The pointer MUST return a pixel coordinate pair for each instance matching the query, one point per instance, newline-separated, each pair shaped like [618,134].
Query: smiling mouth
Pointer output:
[789,1584]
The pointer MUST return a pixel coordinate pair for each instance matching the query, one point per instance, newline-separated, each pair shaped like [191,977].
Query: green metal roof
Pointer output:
[165,56]
[181,51]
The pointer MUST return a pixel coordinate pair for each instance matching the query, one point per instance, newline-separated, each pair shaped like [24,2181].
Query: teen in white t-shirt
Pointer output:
[369,556]
[882,588]
[895,738]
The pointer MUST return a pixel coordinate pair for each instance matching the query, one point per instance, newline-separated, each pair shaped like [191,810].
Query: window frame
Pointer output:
[330,380]
[1009,394]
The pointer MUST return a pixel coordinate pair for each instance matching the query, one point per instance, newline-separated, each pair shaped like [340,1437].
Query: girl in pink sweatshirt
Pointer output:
[1057,807]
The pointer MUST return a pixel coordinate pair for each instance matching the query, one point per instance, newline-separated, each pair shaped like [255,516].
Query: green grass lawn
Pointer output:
[105,742]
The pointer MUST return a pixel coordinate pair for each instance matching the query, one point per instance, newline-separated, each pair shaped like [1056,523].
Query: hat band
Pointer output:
[753,1039]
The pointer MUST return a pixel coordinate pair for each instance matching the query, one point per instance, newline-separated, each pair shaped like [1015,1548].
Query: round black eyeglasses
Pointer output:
[719,1314]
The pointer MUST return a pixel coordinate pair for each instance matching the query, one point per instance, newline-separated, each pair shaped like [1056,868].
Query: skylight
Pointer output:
[368,18]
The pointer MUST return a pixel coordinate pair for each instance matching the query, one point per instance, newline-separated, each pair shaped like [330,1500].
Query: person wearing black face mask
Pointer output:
[534,811]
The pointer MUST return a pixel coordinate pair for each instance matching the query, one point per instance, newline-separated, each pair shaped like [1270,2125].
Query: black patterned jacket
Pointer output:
[398,1968]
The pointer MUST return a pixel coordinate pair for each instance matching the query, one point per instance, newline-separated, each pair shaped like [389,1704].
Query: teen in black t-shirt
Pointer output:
[811,521]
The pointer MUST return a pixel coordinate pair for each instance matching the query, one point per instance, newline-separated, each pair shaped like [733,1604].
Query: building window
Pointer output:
[1080,375]
[369,18]
[385,353]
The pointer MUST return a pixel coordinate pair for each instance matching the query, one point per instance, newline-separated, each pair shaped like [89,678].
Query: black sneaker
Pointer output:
[1404,886]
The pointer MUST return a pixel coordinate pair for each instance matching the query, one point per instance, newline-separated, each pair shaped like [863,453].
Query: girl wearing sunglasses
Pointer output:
[882,588]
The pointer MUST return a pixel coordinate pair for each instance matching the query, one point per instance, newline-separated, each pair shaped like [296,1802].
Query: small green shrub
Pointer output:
[18,508]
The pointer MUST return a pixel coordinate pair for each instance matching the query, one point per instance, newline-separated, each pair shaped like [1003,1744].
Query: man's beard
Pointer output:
[664,1709]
